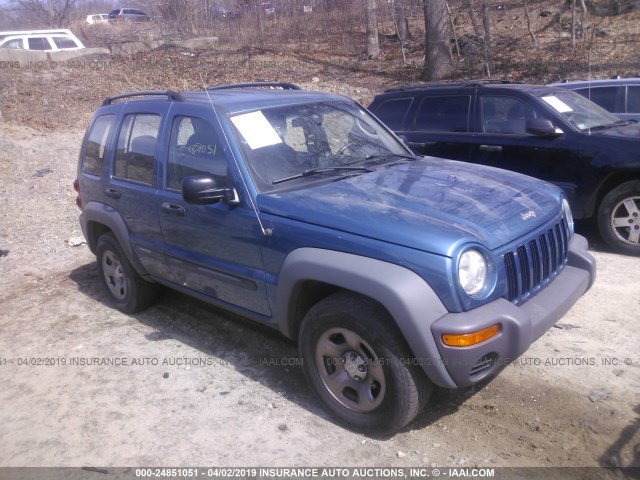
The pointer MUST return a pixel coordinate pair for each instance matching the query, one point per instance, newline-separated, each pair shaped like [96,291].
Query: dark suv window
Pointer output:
[500,114]
[444,114]
[96,145]
[633,99]
[394,112]
[194,150]
[136,147]
[603,96]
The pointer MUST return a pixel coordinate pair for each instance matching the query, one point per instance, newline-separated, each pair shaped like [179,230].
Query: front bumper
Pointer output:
[520,325]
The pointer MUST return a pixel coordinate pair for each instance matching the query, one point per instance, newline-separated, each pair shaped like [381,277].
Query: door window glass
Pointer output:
[393,112]
[500,114]
[633,99]
[136,148]
[603,96]
[444,114]
[39,43]
[194,150]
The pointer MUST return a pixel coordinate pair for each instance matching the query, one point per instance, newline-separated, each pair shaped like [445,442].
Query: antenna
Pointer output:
[267,232]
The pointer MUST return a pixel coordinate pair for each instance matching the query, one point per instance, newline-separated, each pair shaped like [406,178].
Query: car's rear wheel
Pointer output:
[359,365]
[128,290]
[619,218]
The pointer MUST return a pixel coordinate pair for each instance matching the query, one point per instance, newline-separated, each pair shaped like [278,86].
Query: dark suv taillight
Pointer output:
[76,187]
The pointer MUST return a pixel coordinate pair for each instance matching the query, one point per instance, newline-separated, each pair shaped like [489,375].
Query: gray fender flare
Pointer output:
[411,302]
[104,214]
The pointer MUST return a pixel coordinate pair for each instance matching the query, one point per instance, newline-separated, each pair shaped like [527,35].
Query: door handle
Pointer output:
[172,209]
[490,148]
[111,193]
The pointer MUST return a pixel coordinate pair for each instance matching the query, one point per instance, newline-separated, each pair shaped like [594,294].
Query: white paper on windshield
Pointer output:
[557,104]
[256,130]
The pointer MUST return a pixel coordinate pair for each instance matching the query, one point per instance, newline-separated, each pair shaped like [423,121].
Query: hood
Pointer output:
[430,204]
[631,131]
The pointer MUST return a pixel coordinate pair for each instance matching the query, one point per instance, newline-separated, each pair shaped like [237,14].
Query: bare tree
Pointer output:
[373,46]
[52,13]
[401,21]
[438,63]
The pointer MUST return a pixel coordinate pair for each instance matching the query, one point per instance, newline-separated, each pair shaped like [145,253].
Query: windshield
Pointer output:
[578,110]
[297,144]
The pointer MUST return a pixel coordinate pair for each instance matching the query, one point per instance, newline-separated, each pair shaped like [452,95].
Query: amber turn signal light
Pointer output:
[468,339]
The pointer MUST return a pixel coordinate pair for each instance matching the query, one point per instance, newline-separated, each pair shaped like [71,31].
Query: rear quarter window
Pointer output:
[393,112]
[96,145]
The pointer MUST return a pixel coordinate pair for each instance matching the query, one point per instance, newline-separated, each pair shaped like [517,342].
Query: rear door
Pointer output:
[438,124]
[213,250]
[132,189]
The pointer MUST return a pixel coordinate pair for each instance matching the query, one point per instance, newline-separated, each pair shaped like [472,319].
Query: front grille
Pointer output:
[535,262]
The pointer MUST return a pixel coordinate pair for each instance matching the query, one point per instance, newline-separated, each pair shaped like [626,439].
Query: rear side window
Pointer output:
[64,42]
[136,148]
[393,112]
[633,99]
[444,114]
[603,96]
[39,43]
[96,145]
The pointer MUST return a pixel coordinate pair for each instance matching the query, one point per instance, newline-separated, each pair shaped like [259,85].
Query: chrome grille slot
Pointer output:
[535,262]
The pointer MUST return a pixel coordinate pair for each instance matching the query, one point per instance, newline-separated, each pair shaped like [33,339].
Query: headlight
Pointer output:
[568,216]
[472,272]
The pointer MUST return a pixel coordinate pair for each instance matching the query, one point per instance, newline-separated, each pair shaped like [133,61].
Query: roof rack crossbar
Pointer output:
[273,85]
[174,96]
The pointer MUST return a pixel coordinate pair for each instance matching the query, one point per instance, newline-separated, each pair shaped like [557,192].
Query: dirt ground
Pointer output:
[192,385]
[184,384]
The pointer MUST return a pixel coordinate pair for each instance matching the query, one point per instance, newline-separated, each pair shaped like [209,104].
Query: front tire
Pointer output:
[619,218]
[359,365]
[127,289]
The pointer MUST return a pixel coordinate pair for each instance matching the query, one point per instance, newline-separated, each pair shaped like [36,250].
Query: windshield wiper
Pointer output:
[317,171]
[381,156]
[619,123]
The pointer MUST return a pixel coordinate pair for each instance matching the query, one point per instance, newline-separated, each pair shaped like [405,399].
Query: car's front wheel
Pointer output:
[128,290]
[360,366]
[619,218]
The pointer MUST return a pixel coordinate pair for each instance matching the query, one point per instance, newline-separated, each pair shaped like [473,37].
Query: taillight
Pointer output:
[76,187]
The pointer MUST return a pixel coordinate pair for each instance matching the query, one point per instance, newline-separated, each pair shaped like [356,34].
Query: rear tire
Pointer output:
[127,289]
[359,365]
[619,218]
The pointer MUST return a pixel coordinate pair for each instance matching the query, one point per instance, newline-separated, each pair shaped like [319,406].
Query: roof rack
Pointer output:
[462,83]
[173,96]
[271,85]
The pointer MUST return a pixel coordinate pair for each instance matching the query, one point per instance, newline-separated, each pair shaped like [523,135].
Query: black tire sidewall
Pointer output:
[108,243]
[613,198]
[395,410]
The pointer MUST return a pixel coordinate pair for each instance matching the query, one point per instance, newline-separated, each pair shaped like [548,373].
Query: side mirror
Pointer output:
[204,190]
[541,127]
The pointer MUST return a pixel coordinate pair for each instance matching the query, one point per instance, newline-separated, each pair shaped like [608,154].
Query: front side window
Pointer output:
[135,153]
[195,149]
[447,113]
[96,145]
[64,42]
[290,146]
[509,115]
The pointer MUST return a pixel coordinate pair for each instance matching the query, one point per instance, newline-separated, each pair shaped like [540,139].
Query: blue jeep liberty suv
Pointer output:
[394,273]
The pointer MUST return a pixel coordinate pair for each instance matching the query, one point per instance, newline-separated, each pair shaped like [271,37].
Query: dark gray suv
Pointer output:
[128,15]
[616,95]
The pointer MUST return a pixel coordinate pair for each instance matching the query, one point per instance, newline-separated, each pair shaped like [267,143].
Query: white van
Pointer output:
[43,40]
